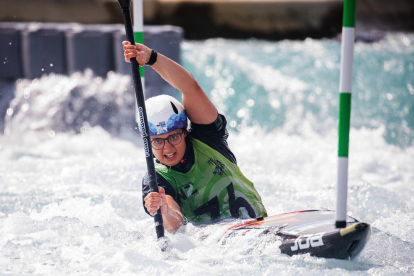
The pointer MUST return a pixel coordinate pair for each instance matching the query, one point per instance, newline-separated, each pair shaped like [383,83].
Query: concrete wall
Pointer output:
[270,19]
[34,49]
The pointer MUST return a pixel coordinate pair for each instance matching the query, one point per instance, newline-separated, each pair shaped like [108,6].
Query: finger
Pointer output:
[151,196]
[125,42]
[161,190]
[131,51]
[164,207]
[152,211]
[127,47]
[153,201]
[130,55]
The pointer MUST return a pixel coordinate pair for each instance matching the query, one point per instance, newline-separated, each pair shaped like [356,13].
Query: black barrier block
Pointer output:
[44,49]
[121,67]
[11,66]
[91,47]
[166,40]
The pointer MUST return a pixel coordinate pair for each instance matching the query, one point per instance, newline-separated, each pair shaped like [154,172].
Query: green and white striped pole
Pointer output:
[138,11]
[345,90]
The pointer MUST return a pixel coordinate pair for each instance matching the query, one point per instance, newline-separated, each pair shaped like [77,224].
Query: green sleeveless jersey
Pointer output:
[214,188]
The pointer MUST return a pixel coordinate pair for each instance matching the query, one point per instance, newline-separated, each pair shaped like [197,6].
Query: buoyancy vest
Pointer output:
[213,189]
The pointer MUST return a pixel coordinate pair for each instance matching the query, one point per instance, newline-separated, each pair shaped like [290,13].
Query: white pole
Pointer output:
[345,89]
[138,11]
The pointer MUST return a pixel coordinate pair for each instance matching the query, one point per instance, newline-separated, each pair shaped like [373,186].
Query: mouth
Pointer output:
[170,156]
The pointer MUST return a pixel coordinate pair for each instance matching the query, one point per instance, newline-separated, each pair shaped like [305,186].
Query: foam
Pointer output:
[71,199]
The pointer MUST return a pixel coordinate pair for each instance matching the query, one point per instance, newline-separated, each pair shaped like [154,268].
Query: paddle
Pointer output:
[143,121]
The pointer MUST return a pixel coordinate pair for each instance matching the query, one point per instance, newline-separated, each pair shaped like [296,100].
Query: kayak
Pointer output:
[309,231]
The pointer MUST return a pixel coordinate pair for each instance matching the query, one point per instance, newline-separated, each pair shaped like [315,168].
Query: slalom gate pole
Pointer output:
[138,12]
[345,92]
[143,120]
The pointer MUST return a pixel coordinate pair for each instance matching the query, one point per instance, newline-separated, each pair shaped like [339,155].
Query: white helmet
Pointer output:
[165,114]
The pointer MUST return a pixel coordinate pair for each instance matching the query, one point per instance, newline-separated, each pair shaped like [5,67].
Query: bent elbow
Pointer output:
[196,87]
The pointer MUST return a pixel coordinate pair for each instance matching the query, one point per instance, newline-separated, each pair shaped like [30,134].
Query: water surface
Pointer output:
[72,162]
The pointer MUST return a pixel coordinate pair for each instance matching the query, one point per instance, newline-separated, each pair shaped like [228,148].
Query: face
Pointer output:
[170,155]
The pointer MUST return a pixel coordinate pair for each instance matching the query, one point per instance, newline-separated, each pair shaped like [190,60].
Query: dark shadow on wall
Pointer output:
[7,89]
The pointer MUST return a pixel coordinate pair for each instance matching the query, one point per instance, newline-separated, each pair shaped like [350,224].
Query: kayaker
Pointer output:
[197,174]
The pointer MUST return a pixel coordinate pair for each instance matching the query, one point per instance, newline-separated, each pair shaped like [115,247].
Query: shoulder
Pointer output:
[217,127]
[214,135]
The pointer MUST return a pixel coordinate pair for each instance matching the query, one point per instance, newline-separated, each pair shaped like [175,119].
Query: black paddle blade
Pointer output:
[125,4]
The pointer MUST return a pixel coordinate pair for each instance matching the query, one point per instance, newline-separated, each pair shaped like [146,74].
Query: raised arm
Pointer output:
[197,105]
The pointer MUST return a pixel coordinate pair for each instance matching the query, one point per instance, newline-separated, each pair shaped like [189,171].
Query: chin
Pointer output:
[171,163]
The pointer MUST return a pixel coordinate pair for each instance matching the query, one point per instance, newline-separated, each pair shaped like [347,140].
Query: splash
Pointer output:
[72,104]
[71,200]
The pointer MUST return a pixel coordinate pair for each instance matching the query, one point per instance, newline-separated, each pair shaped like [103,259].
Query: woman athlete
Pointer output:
[197,174]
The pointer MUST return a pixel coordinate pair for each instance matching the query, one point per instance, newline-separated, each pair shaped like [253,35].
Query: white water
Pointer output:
[70,192]
[71,204]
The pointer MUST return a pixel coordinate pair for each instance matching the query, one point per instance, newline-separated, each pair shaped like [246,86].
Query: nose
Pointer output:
[167,145]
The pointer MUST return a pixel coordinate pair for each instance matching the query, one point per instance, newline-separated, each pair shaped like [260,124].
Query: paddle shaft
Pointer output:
[143,120]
